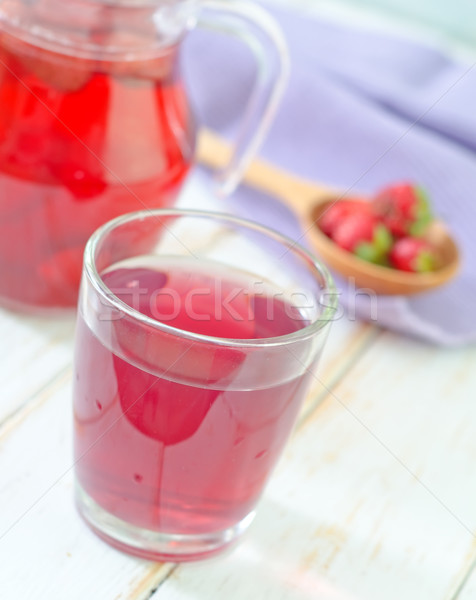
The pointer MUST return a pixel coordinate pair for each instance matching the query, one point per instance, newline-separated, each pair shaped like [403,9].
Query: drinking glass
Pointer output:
[197,339]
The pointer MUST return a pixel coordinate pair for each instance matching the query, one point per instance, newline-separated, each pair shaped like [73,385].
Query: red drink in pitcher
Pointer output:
[95,123]
[151,449]
[81,141]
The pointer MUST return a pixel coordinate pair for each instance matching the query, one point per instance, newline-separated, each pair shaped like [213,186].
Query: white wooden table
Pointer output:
[374,498]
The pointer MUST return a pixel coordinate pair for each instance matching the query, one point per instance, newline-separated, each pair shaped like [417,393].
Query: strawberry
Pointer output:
[338,211]
[365,236]
[413,254]
[84,179]
[404,209]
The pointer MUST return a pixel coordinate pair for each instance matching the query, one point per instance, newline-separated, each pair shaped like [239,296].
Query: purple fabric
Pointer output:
[362,110]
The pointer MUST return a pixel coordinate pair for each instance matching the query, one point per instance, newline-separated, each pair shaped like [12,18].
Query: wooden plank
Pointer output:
[45,549]
[373,498]
[34,351]
[348,341]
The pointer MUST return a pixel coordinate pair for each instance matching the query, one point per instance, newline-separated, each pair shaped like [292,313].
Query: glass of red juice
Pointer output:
[193,356]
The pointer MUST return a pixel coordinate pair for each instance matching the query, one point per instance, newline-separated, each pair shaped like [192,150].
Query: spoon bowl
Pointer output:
[381,279]
[308,201]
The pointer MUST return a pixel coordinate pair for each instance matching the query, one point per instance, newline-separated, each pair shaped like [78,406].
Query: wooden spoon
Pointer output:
[309,201]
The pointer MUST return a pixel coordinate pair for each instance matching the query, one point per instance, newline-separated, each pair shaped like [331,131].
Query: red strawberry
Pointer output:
[339,211]
[413,254]
[365,236]
[404,208]
[83,184]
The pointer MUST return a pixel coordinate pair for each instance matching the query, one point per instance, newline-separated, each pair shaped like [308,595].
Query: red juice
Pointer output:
[170,456]
[81,142]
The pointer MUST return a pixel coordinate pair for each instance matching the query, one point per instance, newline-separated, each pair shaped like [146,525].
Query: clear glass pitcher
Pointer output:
[95,122]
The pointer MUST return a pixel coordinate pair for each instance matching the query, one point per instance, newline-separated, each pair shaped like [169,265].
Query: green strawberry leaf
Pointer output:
[367,251]
[382,239]
[419,227]
[423,207]
[384,261]
[425,262]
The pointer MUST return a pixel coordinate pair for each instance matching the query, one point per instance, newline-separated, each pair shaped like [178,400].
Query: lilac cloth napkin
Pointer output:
[362,110]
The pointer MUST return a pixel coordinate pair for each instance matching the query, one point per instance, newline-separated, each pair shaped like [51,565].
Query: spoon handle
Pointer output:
[298,194]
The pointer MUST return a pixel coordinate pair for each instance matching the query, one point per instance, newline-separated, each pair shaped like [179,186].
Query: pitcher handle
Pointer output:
[255,27]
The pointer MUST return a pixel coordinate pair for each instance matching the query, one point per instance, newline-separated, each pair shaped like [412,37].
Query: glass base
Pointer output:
[153,545]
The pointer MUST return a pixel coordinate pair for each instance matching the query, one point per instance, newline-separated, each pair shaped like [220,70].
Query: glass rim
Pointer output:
[94,277]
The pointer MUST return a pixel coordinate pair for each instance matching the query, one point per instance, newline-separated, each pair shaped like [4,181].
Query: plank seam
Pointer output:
[327,387]
[32,402]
